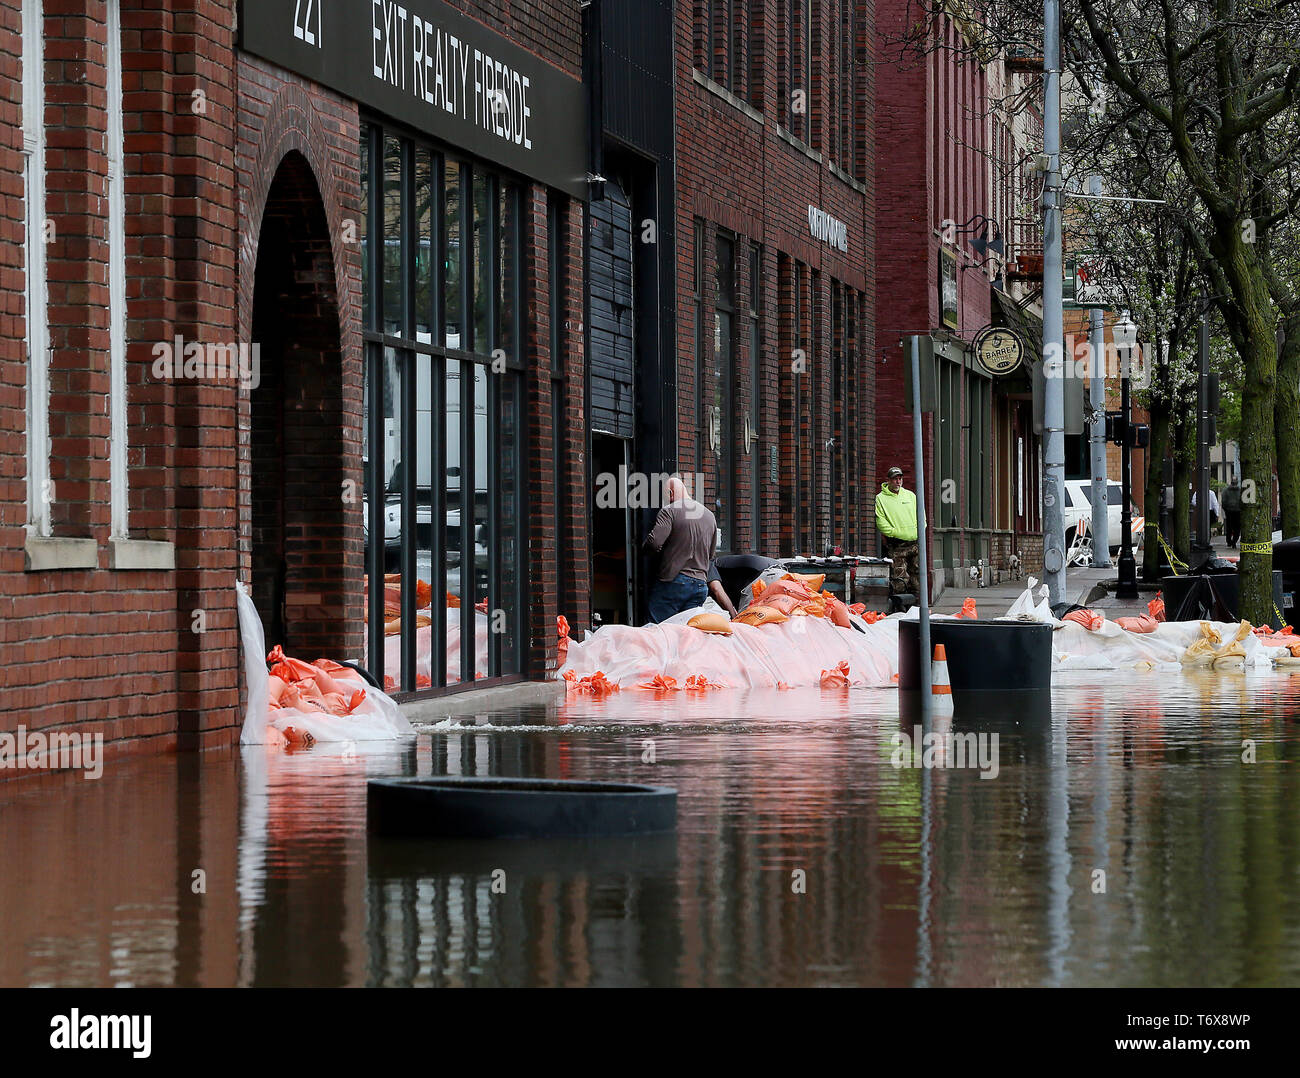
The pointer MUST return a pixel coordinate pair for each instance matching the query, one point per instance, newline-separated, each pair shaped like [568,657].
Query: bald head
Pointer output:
[674,490]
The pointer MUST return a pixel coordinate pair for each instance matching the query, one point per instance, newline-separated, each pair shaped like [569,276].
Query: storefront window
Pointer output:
[443,453]
[453,296]
[721,444]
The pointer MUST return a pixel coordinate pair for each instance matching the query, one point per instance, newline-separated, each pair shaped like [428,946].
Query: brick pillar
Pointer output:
[543,586]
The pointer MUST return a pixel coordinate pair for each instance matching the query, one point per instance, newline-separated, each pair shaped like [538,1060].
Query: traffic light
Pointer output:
[1139,435]
[1115,427]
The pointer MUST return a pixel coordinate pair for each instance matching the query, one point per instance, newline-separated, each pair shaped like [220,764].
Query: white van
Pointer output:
[1078,503]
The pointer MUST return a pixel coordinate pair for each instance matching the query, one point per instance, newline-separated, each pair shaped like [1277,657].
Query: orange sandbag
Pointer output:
[785,604]
[453,602]
[756,588]
[837,678]
[968,609]
[1141,623]
[711,623]
[836,611]
[872,616]
[699,683]
[813,580]
[813,608]
[661,683]
[596,684]
[788,585]
[423,594]
[337,670]
[562,633]
[1156,607]
[760,615]
[1089,619]
[288,669]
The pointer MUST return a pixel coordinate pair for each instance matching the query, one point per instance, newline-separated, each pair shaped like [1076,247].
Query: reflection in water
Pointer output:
[1123,841]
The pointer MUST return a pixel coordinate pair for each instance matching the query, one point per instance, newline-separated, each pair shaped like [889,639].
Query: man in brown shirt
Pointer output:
[686,535]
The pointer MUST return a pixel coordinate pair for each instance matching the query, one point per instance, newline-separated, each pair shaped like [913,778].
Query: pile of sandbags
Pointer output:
[296,703]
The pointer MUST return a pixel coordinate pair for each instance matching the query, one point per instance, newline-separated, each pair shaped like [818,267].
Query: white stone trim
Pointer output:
[141,554]
[42,553]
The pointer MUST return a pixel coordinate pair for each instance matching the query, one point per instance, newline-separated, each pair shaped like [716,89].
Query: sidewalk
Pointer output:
[992,602]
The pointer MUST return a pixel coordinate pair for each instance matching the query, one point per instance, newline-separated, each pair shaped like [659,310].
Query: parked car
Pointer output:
[1078,503]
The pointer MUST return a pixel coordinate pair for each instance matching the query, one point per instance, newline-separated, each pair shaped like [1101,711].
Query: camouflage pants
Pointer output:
[904,577]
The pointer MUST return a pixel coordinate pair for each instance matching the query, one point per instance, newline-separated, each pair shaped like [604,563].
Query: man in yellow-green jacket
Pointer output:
[896,521]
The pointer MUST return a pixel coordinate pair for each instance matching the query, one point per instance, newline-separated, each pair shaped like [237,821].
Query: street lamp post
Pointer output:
[1053,318]
[1126,587]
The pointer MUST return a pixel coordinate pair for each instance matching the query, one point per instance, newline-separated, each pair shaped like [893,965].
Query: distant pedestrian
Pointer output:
[896,522]
[686,535]
[1232,513]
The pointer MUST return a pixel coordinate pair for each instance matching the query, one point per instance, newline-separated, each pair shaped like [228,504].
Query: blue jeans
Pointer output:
[669,597]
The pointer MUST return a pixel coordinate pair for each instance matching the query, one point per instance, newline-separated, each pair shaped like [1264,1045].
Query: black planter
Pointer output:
[983,656]
[516,808]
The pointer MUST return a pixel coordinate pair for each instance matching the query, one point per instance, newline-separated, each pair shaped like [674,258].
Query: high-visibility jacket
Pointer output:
[896,513]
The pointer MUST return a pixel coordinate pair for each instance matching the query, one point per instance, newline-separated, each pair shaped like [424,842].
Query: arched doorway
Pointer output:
[299,501]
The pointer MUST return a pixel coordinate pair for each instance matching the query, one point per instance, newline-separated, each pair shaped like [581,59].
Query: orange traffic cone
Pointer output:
[940,685]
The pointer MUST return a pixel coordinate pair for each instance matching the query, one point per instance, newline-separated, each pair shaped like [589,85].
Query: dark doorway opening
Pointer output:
[300,502]
[613,585]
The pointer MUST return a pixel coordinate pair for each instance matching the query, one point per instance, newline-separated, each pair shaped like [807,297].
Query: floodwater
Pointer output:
[1141,829]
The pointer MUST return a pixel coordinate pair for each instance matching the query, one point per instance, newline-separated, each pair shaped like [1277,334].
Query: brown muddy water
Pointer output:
[1122,841]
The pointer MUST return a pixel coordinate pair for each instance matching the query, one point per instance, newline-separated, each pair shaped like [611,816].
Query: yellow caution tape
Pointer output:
[1256,548]
[1174,563]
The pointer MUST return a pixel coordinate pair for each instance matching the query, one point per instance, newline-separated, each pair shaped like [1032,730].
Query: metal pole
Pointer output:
[1053,319]
[923,566]
[1203,430]
[1097,439]
[1126,587]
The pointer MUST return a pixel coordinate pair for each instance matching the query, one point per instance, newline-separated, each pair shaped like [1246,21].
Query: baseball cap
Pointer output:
[893,472]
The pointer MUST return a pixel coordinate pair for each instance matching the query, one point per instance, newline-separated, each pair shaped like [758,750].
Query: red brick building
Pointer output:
[247,287]
[776,287]
[959,251]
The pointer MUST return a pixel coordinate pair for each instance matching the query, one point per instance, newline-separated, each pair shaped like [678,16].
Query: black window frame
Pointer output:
[412,353]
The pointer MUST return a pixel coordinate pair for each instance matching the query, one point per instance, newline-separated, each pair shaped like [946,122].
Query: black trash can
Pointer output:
[1211,594]
[983,656]
[1286,559]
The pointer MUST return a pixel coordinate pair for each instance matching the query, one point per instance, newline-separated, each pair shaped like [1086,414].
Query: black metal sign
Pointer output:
[423,63]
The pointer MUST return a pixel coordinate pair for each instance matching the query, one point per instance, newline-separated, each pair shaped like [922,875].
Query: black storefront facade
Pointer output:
[631,306]
[471,168]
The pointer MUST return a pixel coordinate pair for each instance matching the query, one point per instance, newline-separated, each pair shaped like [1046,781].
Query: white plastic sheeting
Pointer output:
[793,653]
[376,718]
[796,652]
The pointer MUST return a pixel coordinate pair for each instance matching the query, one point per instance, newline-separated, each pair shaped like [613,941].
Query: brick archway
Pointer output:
[299,528]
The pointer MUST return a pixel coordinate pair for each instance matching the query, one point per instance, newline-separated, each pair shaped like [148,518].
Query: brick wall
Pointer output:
[99,649]
[932,165]
[222,151]
[738,170]
[300,194]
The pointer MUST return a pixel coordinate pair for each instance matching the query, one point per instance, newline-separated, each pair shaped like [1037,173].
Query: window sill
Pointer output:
[45,554]
[844,177]
[799,145]
[141,554]
[718,90]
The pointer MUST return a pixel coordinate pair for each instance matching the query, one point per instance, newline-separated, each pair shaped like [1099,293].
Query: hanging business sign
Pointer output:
[998,350]
[1093,279]
[427,65]
[948,290]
